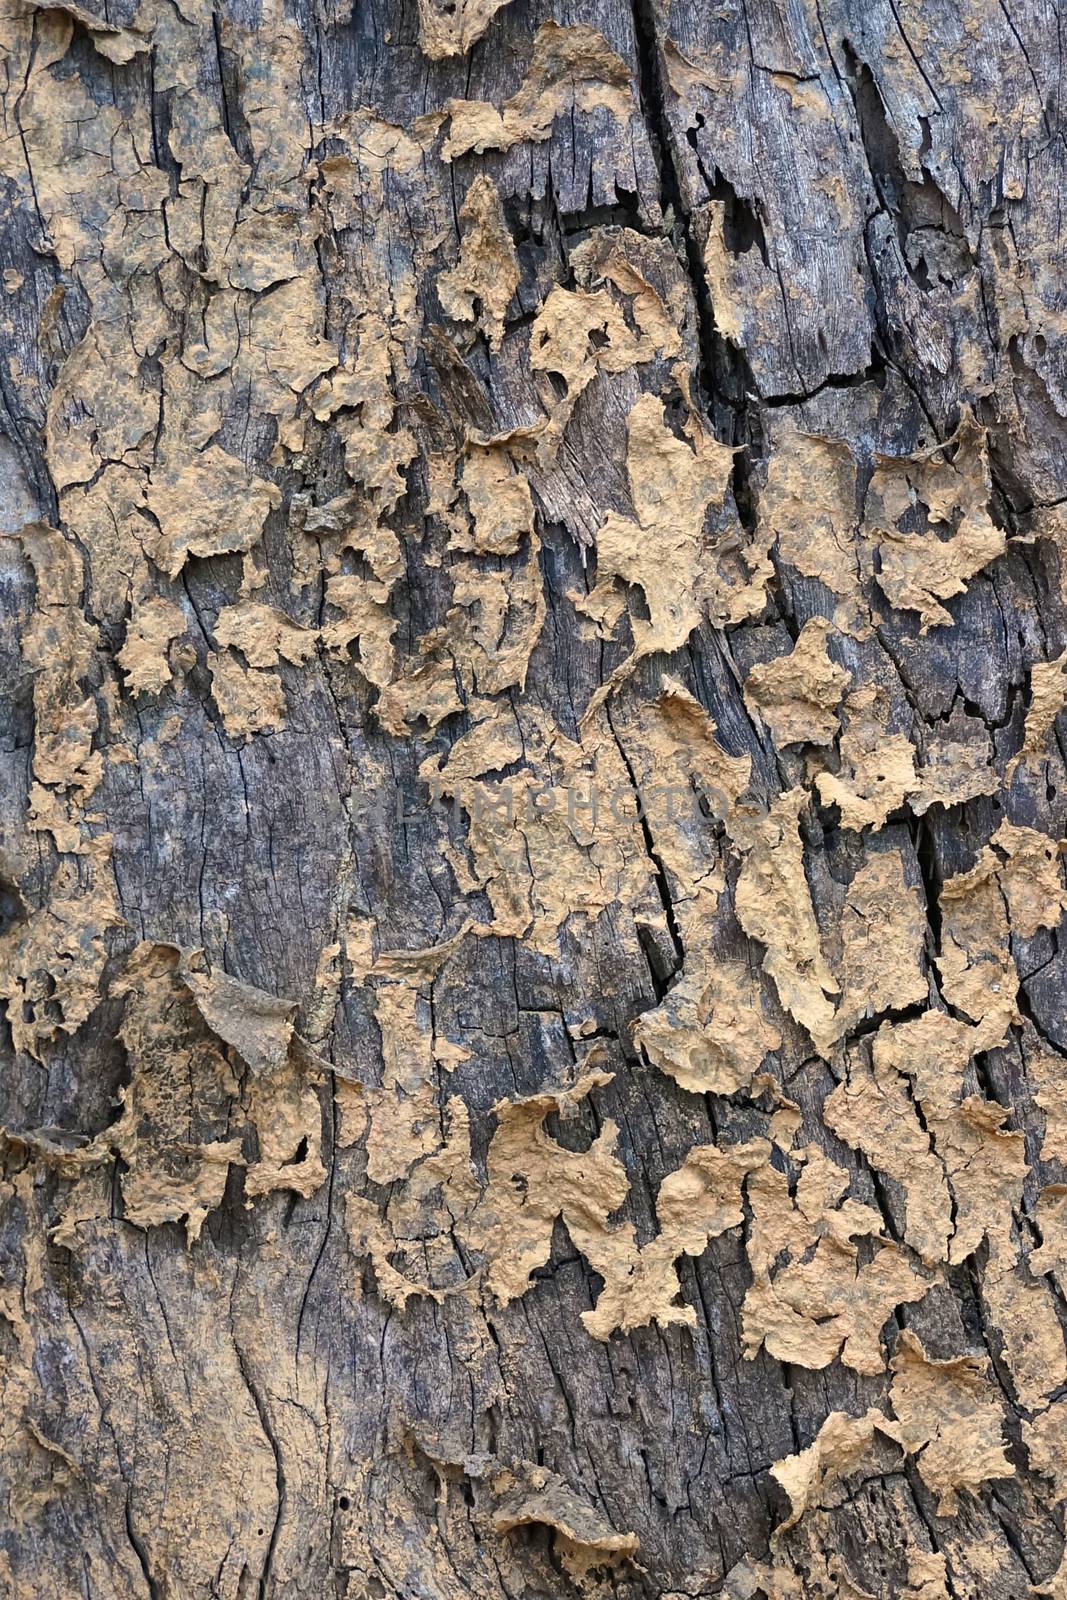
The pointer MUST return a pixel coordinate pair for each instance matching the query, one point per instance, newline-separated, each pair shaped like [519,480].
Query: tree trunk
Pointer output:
[534,633]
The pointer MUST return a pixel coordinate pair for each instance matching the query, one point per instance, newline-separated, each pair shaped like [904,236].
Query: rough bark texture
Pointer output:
[419,424]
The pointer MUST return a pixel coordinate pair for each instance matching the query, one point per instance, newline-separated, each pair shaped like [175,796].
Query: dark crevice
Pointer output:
[659,871]
[742,225]
[624,214]
[137,1546]
[917,209]
[896,1015]
[723,373]
[874,372]
[926,857]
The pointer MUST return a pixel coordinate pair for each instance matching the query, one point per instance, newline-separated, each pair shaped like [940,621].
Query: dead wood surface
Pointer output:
[424,426]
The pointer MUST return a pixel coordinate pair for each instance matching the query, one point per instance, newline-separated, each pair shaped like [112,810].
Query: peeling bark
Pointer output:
[533,798]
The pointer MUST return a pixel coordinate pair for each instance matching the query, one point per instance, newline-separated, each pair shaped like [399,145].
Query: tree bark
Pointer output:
[529,849]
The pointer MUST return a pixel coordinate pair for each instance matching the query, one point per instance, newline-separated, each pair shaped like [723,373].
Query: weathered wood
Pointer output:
[417,410]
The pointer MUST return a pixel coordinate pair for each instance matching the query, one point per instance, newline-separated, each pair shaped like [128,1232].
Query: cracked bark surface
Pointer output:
[404,401]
